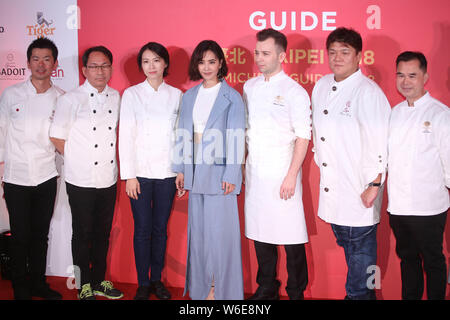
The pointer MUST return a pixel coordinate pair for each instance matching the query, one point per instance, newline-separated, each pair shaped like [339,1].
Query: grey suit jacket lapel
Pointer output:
[220,105]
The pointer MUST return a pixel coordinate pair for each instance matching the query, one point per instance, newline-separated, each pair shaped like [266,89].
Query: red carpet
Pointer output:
[60,284]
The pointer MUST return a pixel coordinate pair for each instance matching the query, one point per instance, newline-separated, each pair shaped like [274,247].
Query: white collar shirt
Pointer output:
[419,158]
[25,147]
[147,131]
[350,130]
[87,121]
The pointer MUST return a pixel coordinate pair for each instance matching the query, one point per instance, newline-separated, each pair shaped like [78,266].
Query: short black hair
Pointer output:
[197,56]
[279,38]
[159,50]
[101,49]
[413,55]
[42,43]
[347,36]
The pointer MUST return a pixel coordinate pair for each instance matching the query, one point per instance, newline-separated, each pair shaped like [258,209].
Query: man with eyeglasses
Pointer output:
[84,131]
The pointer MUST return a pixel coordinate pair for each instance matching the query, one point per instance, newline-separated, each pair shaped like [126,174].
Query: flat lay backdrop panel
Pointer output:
[387,28]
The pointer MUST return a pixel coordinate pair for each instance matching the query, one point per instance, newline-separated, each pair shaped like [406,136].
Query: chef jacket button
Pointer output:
[324,164]
[107,95]
[94,128]
[379,156]
[110,111]
[96,163]
[334,88]
[112,161]
[96,146]
[95,111]
[112,144]
[92,94]
[109,128]
[322,138]
[325,111]
[326,189]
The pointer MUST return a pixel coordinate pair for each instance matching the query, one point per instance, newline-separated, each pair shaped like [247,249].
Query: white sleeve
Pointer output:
[127,137]
[63,118]
[300,113]
[373,117]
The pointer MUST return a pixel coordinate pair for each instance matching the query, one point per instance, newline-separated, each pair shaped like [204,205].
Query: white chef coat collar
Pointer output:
[149,88]
[347,80]
[421,101]
[32,89]
[275,78]
[87,87]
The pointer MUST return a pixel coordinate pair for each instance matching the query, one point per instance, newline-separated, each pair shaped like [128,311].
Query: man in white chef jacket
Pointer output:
[278,133]
[30,172]
[419,175]
[350,129]
[84,131]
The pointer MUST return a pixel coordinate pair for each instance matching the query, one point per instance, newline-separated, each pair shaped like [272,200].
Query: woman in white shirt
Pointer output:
[146,137]
[211,132]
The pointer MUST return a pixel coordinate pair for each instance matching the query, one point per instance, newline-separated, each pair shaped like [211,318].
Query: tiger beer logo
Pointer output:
[43,28]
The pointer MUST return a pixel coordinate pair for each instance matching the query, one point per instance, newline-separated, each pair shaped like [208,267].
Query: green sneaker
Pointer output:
[86,293]
[106,289]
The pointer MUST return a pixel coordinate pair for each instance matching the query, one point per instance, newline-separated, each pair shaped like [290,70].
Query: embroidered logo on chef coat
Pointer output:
[426,127]
[346,110]
[279,101]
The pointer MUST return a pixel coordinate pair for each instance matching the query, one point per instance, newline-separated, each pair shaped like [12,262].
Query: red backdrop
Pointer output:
[387,28]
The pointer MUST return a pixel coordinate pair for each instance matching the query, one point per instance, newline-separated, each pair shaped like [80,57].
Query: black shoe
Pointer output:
[158,288]
[296,296]
[142,293]
[22,292]
[45,292]
[106,289]
[264,293]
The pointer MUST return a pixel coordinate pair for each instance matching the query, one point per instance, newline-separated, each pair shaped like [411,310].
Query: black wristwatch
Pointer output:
[374,184]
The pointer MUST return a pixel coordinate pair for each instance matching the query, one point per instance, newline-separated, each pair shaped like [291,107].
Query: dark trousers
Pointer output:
[30,212]
[151,213]
[267,256]
[419,241]
[92,215]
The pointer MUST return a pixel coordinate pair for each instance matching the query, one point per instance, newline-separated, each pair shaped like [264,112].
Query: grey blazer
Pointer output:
[223,143]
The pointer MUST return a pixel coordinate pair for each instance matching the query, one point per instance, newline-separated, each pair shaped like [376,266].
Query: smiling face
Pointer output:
[42,64]
[153,66]
[343,60]
[268,57]
[98,70]
[209,67]
[411,80]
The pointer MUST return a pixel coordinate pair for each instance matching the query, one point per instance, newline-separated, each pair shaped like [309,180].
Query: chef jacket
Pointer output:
[350,131]
[419,158]
[25,147]
[278,113]
[147,131]
[87,120]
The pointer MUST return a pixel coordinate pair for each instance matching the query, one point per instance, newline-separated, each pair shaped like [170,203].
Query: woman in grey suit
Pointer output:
[207,159]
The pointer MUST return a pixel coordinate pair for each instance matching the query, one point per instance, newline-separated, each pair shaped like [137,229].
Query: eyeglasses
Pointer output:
[103,67]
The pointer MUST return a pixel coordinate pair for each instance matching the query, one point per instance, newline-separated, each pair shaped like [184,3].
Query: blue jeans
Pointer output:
[360,247]
[151,213]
